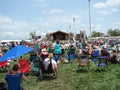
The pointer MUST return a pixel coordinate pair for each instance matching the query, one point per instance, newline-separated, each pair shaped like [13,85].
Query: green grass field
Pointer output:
[69,79]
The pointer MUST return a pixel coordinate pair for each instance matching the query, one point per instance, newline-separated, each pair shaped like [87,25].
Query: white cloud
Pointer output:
[97,28]
[105,12]
[110,11]
[67,19]
[101,19]
[113,3]
[40,1]
[9,24]
[114,9]
[55,11]
[14,29]
[107,4]
[8,34]
[45,24]
[99,5]
[4,19]
[52,11]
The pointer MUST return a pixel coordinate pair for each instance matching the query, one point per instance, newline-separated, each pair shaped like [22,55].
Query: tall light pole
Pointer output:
[74,25]
[89,16]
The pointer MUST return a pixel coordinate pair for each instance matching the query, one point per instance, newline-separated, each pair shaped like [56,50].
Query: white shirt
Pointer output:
[46,62]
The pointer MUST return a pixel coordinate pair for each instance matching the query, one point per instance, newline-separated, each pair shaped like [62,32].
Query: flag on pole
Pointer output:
[74,19]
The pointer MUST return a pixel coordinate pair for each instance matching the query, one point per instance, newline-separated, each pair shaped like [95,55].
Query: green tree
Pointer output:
[114,32]
[97,34]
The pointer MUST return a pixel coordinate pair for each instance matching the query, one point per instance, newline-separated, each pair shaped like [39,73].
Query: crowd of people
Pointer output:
[58,50]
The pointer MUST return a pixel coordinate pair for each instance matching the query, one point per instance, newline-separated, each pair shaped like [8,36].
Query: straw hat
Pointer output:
[44,50]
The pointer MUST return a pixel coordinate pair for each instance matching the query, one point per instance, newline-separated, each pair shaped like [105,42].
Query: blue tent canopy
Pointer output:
[16,52]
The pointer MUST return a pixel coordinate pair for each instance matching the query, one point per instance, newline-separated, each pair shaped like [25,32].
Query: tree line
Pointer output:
[111,32]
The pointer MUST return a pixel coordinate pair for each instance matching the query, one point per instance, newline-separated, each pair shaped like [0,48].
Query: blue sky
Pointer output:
[20,17]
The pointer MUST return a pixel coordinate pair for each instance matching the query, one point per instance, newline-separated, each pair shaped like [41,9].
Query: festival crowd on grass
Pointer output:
[52,53]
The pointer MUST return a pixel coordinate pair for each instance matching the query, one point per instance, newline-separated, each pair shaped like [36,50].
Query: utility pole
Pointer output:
[74,26]
[89,16]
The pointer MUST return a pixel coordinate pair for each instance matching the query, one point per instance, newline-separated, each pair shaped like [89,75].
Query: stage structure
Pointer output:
[59,35]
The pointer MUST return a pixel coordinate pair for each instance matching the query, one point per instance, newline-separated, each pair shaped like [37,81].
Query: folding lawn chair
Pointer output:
[4,65]
[102,63]
[43,71]
[24,66]
[14,82]
[95,56]
[35,67]
[33,57]
[83,62]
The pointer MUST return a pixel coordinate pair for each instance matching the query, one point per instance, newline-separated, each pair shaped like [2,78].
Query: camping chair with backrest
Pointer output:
[83,62]
[102,63]
[24,66]
[4,65]
[33,57]
[43,71]
[85,52]
[35,67]
[14,82]
[95,56]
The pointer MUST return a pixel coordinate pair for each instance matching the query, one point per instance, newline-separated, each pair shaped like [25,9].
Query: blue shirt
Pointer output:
[79,45]
[14,81]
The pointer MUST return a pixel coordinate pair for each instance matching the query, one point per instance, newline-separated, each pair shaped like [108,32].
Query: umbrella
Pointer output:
[16,52]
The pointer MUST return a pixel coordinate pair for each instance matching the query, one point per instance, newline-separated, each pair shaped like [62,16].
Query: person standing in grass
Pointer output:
[58,51]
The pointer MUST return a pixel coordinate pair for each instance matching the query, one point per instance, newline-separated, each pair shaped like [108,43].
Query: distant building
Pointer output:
[59,35]
[80,36]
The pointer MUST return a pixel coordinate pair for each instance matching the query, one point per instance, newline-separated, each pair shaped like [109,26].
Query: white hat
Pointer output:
[44,50]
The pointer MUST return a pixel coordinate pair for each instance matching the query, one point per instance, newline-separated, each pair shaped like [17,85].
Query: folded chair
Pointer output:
[24,66]
[83,62]
[102,63]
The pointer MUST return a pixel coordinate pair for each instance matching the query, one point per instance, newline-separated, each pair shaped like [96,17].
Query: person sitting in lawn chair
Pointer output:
[104,52]
[50,65]
[44,54]
[115,58]
[13,78]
